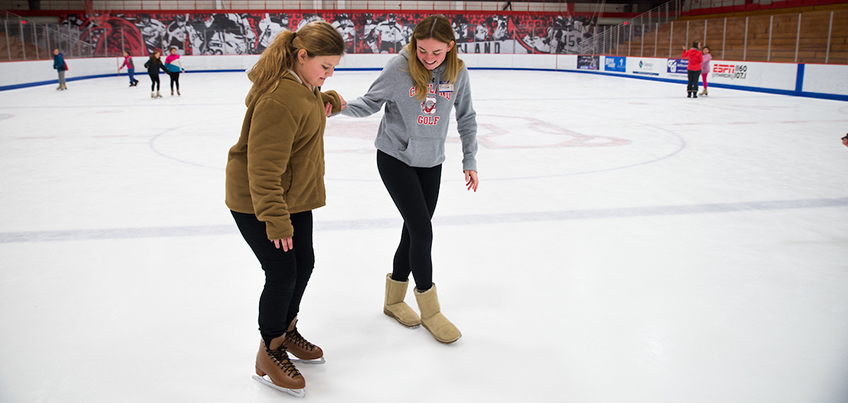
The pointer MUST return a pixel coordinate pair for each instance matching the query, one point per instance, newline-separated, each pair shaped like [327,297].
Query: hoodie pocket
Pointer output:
[424,152]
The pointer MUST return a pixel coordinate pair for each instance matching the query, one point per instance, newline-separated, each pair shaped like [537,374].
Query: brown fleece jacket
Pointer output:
[277,166]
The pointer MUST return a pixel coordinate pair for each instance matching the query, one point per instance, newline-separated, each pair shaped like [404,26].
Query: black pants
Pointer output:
[175,78]
[415,192]
[286,273]
[154,78]
[692,85]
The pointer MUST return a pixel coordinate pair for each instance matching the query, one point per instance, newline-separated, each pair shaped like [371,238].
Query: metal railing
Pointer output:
[23,40]
[808,37]
[610,37]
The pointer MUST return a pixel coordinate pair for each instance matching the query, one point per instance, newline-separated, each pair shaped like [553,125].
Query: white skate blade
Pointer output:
[299,393]
[317,361]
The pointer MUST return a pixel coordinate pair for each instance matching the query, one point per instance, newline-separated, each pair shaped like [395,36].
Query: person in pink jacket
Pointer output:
[128,61]
[705,68]
[174,67]
[694,68]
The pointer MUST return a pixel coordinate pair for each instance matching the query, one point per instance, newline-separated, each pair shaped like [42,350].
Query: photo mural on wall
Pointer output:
[251,33]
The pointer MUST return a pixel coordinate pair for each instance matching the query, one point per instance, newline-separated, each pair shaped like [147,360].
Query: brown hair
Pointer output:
[437,27]
[318,38]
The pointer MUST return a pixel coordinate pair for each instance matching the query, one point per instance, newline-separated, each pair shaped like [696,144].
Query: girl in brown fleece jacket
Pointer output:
[275,177]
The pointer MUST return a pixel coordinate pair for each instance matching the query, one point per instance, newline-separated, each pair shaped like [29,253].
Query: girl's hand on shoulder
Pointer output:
[285,243]
[471,180]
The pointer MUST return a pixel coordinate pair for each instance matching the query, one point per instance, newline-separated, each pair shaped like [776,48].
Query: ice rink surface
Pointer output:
[626,244]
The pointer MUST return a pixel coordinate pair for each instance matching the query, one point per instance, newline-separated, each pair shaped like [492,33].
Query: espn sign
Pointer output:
[731,71]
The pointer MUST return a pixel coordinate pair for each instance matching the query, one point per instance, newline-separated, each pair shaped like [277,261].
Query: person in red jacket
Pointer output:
[695,58]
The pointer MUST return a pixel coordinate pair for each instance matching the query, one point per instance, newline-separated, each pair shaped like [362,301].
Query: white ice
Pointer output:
[626,244]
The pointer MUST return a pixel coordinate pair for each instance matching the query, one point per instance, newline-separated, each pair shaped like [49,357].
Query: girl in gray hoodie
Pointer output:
[419,91]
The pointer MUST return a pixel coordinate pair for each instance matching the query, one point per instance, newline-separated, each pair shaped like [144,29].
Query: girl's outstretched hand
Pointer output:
[471,180]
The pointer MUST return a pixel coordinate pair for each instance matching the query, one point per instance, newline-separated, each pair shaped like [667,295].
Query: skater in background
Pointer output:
[153,65]
[705,68]
[173,66]
[420,87]
[60,66]
[845,140]
[275,178]
[128,61]
[694,69]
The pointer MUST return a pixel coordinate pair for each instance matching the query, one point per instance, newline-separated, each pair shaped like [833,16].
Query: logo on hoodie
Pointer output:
[428,107]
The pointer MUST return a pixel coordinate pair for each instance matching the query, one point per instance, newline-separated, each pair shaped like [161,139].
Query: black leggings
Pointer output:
[415,192]
[154,78]
[175,78]
[286,273]
[692,85]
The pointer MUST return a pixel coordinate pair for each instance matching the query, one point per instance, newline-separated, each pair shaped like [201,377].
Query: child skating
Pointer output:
[174,67]
[128,62]
[61,67]
[153,65]
[705,69]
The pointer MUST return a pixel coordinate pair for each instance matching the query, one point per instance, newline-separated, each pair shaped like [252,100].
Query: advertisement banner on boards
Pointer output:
[646,67]
[677,66]
[588,62]
[616,64]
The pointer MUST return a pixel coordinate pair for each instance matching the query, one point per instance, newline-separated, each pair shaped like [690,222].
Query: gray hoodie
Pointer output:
[414,131]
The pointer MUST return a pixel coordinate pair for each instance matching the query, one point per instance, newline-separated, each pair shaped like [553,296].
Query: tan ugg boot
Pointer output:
[305,351]
[433,320]
[275,363]
[394,306]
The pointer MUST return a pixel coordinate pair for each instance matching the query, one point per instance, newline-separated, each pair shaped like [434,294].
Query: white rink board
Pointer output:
[826,79]
[817,79]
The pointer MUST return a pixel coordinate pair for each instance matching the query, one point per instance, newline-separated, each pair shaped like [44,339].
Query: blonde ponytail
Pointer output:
[318,38]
